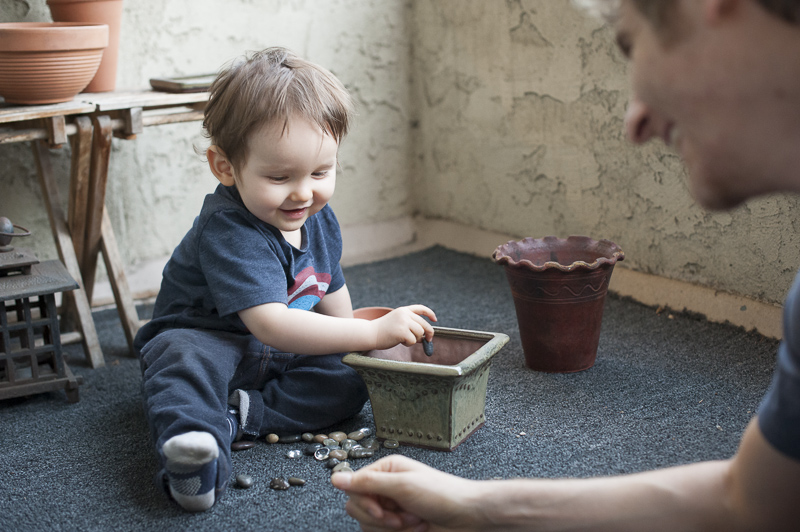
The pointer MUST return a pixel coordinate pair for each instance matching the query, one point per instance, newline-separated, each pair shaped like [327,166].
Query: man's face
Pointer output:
[693,87]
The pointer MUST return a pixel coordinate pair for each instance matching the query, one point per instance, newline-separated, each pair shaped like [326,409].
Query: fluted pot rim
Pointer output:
[513,253]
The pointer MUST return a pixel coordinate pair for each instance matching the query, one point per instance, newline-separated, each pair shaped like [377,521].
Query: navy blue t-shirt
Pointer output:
[779,413]
[230,261]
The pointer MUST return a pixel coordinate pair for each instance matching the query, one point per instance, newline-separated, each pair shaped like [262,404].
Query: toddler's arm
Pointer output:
[336,304]
[310,333]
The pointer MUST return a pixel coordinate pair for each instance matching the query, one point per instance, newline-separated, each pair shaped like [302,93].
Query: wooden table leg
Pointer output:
[119,283]
[101,153]
[66,252]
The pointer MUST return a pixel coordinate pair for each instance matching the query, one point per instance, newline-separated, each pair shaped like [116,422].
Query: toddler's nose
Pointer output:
[302,192]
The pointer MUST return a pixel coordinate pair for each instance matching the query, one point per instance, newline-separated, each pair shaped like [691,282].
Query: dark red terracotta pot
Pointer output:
[559,288]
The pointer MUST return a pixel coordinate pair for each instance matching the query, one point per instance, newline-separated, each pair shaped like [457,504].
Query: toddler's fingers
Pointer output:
[422,310]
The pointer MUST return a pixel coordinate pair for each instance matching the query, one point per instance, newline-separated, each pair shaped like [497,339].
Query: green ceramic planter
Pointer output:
[434,402]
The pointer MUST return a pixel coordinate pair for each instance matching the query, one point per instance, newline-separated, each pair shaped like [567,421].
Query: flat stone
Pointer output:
[391,444]
[272,438]
[327,442]
[347,469]
[371,443]
[338,436]
[341,466]
[311,449]
[278,484]
[307,436]
[330,463]
[360,452]
[321,454]
[294,453]
[292,438]
[242,445]
[348,444]
[244,481]
[319,438]
[296,481]
[339,454]
[427,346]
[360,434]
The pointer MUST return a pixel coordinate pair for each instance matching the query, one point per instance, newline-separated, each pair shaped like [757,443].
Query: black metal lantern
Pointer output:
[31,360]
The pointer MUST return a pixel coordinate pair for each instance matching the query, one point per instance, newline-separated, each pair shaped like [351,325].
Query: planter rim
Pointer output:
[77,1]
[52,36]
[494,342]
[611,253]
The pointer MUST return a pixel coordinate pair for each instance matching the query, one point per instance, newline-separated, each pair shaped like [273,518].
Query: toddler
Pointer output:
[253,316]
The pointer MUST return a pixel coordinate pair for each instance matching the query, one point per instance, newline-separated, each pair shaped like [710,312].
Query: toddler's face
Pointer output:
[289,174]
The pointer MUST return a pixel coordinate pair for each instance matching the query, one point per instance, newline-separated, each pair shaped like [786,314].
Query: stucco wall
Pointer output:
[504,115]
[157,182]
[519,130]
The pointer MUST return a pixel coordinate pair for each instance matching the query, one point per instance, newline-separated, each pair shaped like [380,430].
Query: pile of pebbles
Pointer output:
[334,450]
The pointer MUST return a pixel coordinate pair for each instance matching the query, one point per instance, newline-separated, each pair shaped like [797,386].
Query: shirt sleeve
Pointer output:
[779,413]
[241,264]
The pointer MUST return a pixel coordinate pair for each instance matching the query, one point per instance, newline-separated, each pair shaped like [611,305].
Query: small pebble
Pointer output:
[294,453]
[244,481]
[330,463]
[327,442]
[348,444]
[372,444]
[319,438]
[360,434]
[307,436]
[360,452]
[339,454]
[323,453]
[295,481]
[391,444]
[344,470]
[278,484]
[242,445]
[272,438]
[427,346]
[311,449]
[341,466]
[338,436]
[292,438]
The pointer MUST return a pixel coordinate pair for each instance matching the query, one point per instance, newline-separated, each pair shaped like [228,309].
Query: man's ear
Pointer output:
[220,166]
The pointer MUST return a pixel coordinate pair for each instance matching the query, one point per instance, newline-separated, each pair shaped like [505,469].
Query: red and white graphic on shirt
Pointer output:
[308,289]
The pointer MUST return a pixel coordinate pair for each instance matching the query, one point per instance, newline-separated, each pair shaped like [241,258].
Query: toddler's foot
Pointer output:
[192,469]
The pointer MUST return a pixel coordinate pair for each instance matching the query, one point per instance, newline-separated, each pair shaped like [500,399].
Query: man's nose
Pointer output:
[639,124]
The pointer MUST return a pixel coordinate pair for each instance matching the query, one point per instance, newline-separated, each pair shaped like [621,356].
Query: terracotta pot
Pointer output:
[559,288]
[371,313]
[96,12]
[435,402]
[45,62]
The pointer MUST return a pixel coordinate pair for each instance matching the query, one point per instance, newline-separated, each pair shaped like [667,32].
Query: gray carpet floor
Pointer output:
[667,389]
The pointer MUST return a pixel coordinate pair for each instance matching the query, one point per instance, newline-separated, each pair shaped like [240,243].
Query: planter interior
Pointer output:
[434,402]
[48,62]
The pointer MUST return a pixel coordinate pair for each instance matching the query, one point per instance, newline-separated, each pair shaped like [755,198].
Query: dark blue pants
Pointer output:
[189,374]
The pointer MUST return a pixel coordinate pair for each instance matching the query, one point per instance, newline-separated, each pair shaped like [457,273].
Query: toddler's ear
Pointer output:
[220,166]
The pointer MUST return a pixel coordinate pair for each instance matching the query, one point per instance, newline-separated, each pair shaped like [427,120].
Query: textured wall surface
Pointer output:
[519,129]
[504,115]
[157,182]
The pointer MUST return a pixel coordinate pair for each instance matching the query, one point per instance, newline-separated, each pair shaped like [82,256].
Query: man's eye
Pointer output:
[624,45]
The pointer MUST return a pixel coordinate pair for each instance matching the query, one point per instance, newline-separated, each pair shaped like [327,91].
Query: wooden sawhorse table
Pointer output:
[90,122]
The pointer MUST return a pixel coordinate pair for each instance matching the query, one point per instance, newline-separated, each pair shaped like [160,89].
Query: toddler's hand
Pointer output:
[404,325]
